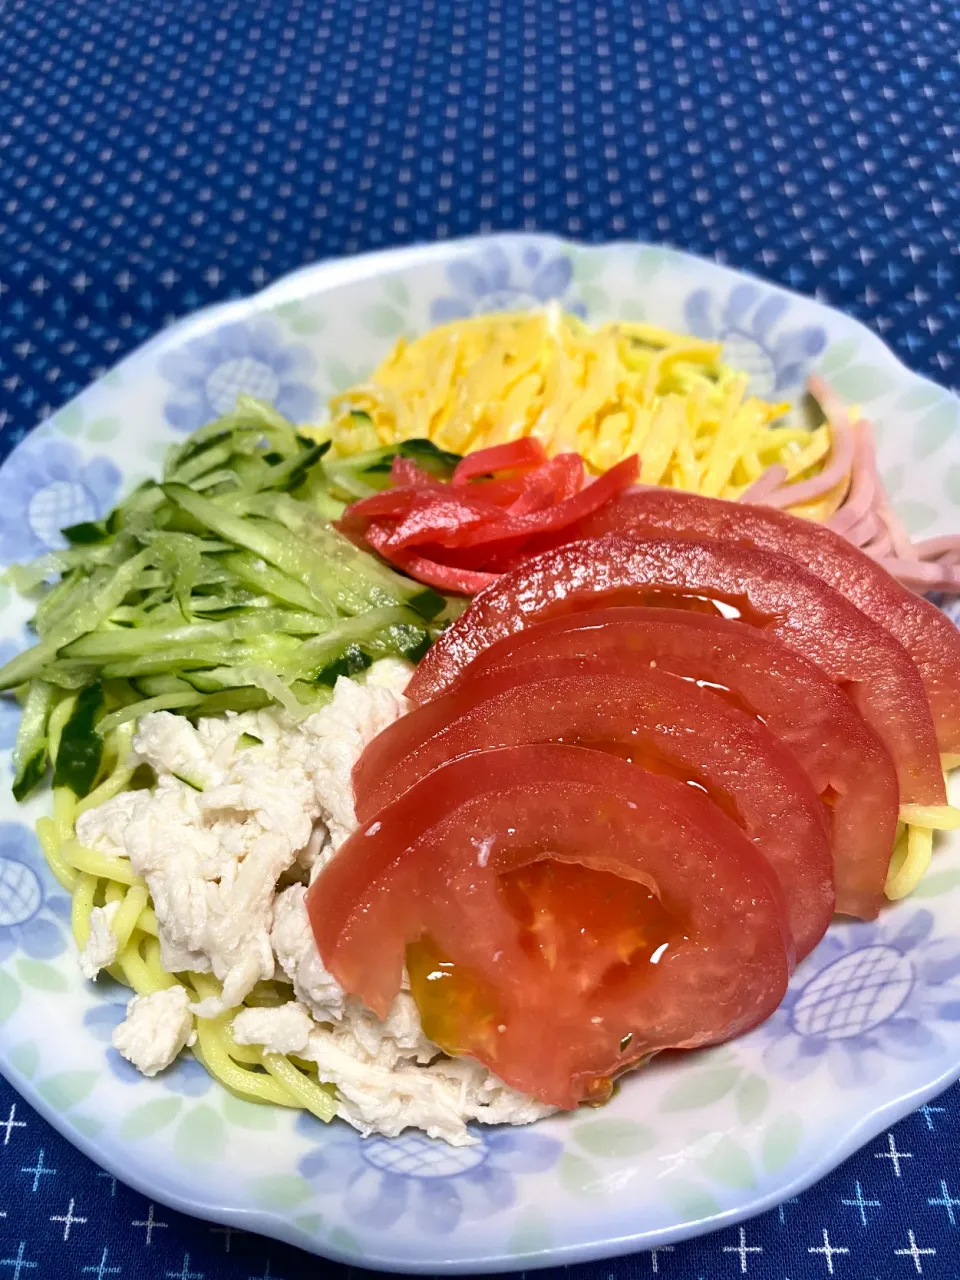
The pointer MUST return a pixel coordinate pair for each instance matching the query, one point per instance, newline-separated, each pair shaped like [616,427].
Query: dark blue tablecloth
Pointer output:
[159,156]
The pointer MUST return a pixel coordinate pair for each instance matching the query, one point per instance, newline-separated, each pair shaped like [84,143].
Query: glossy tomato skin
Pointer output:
[431,866]
[651,717]
[928,635]
[845,759]
[774,593]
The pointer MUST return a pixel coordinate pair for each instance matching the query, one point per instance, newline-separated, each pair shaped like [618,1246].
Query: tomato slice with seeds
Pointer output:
[651,718]
[927,634]
[770,592]
[494,873]
[846,761]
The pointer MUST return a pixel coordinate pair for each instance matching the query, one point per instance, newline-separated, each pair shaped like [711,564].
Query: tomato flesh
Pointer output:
[844,758]
[650,717]
[432,867]
[772,592]
[926,633]
[590,929]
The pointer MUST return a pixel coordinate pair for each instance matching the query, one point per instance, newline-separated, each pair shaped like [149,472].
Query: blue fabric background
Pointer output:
[156,157]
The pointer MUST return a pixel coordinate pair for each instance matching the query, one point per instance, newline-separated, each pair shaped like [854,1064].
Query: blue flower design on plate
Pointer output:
[47,485]
[749,326]
[488,281]
[185,1076]
[868,993]
[384,1179]
[209,373]
[32,912]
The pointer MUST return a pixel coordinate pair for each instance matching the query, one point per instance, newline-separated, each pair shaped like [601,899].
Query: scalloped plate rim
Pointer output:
[272,1223]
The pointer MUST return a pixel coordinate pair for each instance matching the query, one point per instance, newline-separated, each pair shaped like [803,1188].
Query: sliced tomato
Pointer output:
[650,717]
[926,633]
[547,895]
[518,455]
[847,763]
[770,591]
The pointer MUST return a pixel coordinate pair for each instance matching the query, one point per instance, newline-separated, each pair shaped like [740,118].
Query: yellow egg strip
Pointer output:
[604,392]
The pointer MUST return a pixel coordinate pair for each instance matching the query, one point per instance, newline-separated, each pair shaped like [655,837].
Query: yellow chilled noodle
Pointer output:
[913,850]
[94,879]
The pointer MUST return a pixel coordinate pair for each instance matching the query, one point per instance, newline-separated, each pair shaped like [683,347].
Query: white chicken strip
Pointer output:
[226,821]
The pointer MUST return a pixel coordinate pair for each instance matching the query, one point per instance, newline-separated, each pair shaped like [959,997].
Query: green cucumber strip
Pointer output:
[359,570]
[209,460]
[142,503]
[212,679]
[345,483]
[275,544]
[349,663]
[157,664]
[439,462]
[81,747]
[189,782]
[365,473]
[85,534]
[90,610]
[200,443]
[260,576]
[249,415]
[105,646]
[261,413]
[215,704]
[69,676]
[234,602]
[249,740]
[405,640]
[25,578]
[151,686]
[275,650]
[178,554]
[316,654]
[317,496]
[163,702]
[294,471]
[30,750]
[217,481]
[118,693]
[57,600]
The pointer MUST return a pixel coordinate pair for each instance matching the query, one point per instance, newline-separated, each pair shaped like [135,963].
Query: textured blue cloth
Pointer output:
[159,156]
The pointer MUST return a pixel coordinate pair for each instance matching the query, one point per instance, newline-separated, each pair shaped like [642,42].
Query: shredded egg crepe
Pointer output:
[605,392]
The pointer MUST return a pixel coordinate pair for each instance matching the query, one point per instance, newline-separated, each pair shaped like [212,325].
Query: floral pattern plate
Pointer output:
[871,1025]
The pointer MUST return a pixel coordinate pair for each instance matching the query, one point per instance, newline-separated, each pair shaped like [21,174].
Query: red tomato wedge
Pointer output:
[552,896]
[772,592]
[926,633]
[650,717]
[845,760]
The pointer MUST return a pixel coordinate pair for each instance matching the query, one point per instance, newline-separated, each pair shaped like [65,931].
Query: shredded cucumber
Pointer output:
[222,587]
[30,751]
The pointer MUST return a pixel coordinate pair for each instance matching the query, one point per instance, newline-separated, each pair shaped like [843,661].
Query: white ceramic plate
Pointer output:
[871,1025]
